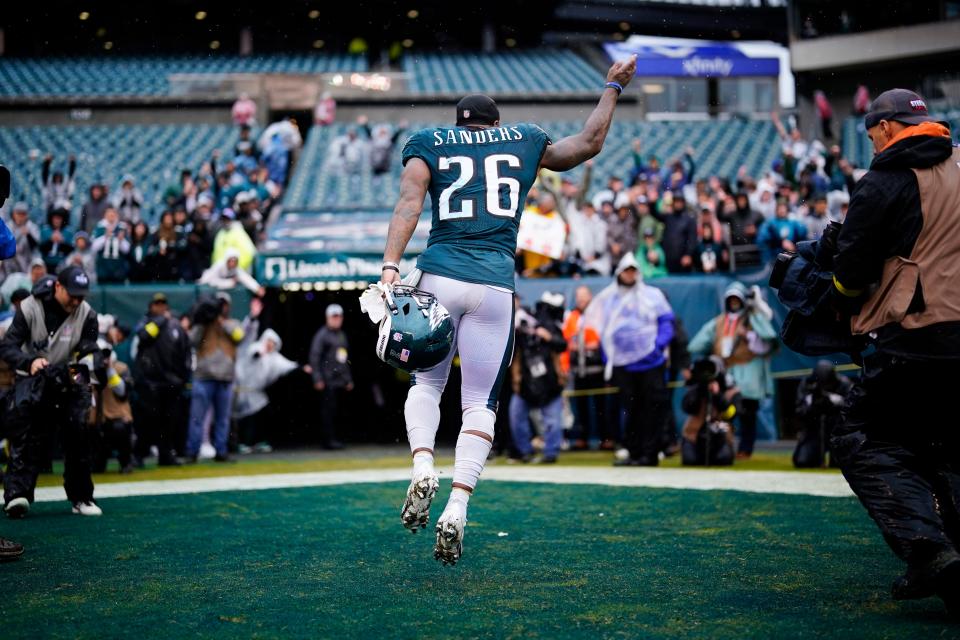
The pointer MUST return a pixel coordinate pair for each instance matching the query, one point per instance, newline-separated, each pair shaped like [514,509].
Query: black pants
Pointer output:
[250,428]
[593,420]
[31,431]
[115,435]
[158,420]
[643,395]
[897,445]
[330,402]
[748,424]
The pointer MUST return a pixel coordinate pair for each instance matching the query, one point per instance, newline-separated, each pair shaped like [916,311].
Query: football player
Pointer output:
[478,174]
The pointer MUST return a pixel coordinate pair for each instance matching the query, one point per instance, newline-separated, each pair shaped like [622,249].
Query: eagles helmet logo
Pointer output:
[420,328]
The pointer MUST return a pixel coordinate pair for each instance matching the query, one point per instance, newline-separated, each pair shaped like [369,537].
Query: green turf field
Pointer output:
[577,562]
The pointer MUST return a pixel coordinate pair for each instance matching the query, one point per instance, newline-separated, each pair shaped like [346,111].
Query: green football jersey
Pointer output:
[479,179]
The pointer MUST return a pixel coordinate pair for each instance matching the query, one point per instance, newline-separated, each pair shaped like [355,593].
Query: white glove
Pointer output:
[373,301]
[835,399]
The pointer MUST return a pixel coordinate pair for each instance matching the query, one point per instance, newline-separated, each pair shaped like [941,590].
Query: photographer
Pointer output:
[819,399]
[711,401]
[538,378]
[48,332]
[215,336]
[744,338]
[897,273]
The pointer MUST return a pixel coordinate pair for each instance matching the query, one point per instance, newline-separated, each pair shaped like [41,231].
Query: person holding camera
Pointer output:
[538,377]
[743,337]
[215,337]
[42,345]
[896,278]
[711,401]
[819,399]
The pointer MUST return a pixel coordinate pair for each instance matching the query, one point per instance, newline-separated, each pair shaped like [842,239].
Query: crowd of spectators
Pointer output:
[676,222]
[217,209]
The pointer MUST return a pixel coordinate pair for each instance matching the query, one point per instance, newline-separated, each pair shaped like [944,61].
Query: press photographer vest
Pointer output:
[933,265]
[62,344]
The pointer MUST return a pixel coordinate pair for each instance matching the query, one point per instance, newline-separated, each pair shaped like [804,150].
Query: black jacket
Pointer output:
[884,220]
[679,239]
[163,354]
[53,315]
[330,358]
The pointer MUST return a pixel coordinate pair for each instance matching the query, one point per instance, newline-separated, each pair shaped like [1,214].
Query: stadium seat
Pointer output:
[153,154]
[148,76]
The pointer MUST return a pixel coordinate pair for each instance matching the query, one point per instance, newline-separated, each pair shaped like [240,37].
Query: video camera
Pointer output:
[804,283]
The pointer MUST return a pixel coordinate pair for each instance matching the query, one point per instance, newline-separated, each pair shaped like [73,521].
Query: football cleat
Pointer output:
[450,528]
[415,513]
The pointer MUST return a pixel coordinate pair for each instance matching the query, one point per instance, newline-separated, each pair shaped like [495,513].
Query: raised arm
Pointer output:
[573,150]
[413,189]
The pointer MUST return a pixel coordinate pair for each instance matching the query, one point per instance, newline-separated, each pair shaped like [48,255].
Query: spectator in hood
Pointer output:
[27,237]
[227,274]
[82,256]
[622,229]
[744,221]
[57,188]
[166,247]
[94,208]
[233,236]
[635,323]
[679,240]
[139,268]
[128,200]
[614,188]
[56,240]
[199,248]
[20,280]
[259,365]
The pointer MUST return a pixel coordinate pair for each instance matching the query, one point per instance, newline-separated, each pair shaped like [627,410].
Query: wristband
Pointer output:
[390,267]
[615,85]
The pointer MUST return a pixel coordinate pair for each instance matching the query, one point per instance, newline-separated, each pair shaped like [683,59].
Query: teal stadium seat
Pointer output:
[153,154]
[546,70]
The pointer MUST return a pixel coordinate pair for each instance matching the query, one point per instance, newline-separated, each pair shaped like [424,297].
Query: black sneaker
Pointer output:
[169,461]
[332,445]
[223,458]
[10,550]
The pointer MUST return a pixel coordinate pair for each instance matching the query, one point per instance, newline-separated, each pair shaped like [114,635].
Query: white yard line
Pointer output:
[781,482]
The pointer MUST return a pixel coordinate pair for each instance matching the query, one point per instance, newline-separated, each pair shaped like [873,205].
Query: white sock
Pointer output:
[472,450]
[422,463]
[422,414]
[458,500]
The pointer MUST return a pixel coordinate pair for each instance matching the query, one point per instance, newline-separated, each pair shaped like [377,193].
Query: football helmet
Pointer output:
[417,332]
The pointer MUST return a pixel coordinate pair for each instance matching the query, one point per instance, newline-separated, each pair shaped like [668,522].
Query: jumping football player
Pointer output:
[478,174]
